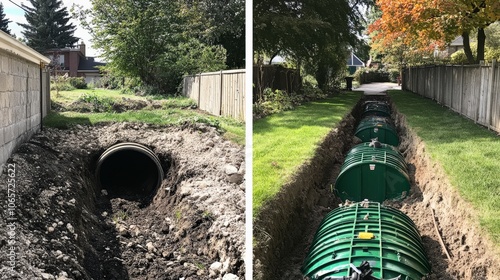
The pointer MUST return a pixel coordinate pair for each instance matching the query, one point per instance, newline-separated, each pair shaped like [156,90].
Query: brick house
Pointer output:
[74,63]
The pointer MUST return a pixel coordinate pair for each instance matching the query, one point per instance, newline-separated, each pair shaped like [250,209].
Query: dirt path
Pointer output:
[472,254]
[67,228]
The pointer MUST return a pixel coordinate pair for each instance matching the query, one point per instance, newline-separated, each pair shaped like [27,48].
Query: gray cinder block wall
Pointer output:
[20,115]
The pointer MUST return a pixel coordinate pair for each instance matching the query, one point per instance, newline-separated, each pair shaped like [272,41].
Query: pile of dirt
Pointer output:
[97,104]
[63,226]
[284,242]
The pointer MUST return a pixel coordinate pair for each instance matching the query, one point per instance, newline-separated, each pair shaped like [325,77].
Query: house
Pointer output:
[354,63]
[456,45]
[73,63]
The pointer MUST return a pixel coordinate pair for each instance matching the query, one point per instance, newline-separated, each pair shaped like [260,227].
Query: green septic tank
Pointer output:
[376,108]
[373,171]
[383,237]
[377,127]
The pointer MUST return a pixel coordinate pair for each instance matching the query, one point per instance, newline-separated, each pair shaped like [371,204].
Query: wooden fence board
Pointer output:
[218,93]
[495,101]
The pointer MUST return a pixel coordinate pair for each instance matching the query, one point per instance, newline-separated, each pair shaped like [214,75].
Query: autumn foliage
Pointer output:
[419,26]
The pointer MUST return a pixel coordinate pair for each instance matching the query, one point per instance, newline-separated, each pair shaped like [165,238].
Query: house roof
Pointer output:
[89,64]
[459,41]
[353,60]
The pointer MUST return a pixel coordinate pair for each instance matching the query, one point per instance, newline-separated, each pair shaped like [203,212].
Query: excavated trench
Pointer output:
[126,201]
[285,228]
[130,170]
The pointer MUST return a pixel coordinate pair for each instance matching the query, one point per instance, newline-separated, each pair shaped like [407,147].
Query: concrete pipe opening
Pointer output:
[129,169]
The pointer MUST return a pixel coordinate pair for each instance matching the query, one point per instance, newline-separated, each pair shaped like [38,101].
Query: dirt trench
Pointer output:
[66,227]
[286,226]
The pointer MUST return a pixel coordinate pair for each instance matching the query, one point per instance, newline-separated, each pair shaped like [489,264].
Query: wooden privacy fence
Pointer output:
[219,93]
[471,90]
[274,77]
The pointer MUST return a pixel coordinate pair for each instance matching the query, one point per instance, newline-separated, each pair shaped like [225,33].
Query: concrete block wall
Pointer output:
[19,102]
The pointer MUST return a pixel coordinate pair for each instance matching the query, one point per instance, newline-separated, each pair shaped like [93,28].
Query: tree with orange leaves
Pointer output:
[422,25]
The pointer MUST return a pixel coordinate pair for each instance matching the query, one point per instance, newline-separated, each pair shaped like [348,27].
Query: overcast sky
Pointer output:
[16,14]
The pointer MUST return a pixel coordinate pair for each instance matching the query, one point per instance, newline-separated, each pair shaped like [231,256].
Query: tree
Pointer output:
[150,40]
[226,27]
[316,33]
[4,22]
[429,24]
[48,25]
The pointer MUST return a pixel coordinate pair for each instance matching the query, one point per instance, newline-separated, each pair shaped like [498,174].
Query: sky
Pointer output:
[16,14]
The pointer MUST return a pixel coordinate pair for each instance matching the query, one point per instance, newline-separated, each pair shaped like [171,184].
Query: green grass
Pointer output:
[284,141]
[67,97]
[175,111]
[469,154]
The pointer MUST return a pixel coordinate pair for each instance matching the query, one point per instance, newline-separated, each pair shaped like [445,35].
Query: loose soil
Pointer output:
[65,227]
[282,244]
[117,106]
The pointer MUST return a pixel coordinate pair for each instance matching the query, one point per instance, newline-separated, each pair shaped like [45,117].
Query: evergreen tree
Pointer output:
[48,25]
[4,22]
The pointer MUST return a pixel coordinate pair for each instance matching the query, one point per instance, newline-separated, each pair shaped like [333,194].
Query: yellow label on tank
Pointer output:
[366,235]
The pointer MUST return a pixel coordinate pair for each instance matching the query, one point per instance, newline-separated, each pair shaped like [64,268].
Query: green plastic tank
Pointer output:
[366,232]
[376,108]
[373,171]
[377,127]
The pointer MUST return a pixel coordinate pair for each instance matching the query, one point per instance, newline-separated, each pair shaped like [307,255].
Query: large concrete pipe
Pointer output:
[129,169]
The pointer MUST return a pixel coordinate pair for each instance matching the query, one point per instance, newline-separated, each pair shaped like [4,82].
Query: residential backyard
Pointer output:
[87,223]
[453,166]
[92,106]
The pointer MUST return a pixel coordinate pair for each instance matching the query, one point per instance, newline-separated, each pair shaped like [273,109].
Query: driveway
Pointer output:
[377,88]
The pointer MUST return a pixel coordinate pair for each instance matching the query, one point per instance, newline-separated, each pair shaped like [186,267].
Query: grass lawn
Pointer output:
[282,142]
[67,97]
[175,110]
[469,154]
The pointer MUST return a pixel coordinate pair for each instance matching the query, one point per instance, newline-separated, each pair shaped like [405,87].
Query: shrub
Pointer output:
[272,102]
[366,76]
[490,54]
[110,82]
[458,57]
[61,85]
[275,101]
[393,75]
[77,82]
[96,103]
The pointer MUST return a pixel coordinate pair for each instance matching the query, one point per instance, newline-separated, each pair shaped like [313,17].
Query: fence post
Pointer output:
[482,64]
[462,89]
[221,91]
[490,93]
[199,90]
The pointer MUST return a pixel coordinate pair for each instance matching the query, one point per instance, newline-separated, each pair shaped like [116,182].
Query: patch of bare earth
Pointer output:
[65,227]
[285,228]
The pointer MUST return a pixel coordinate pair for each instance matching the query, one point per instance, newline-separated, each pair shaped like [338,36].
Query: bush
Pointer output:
[109,82]
[276,101]
[458,57]
[96,103]
[60,84]
[393,75]
[272,102]
[490,54]
[77,82]
[366,76]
